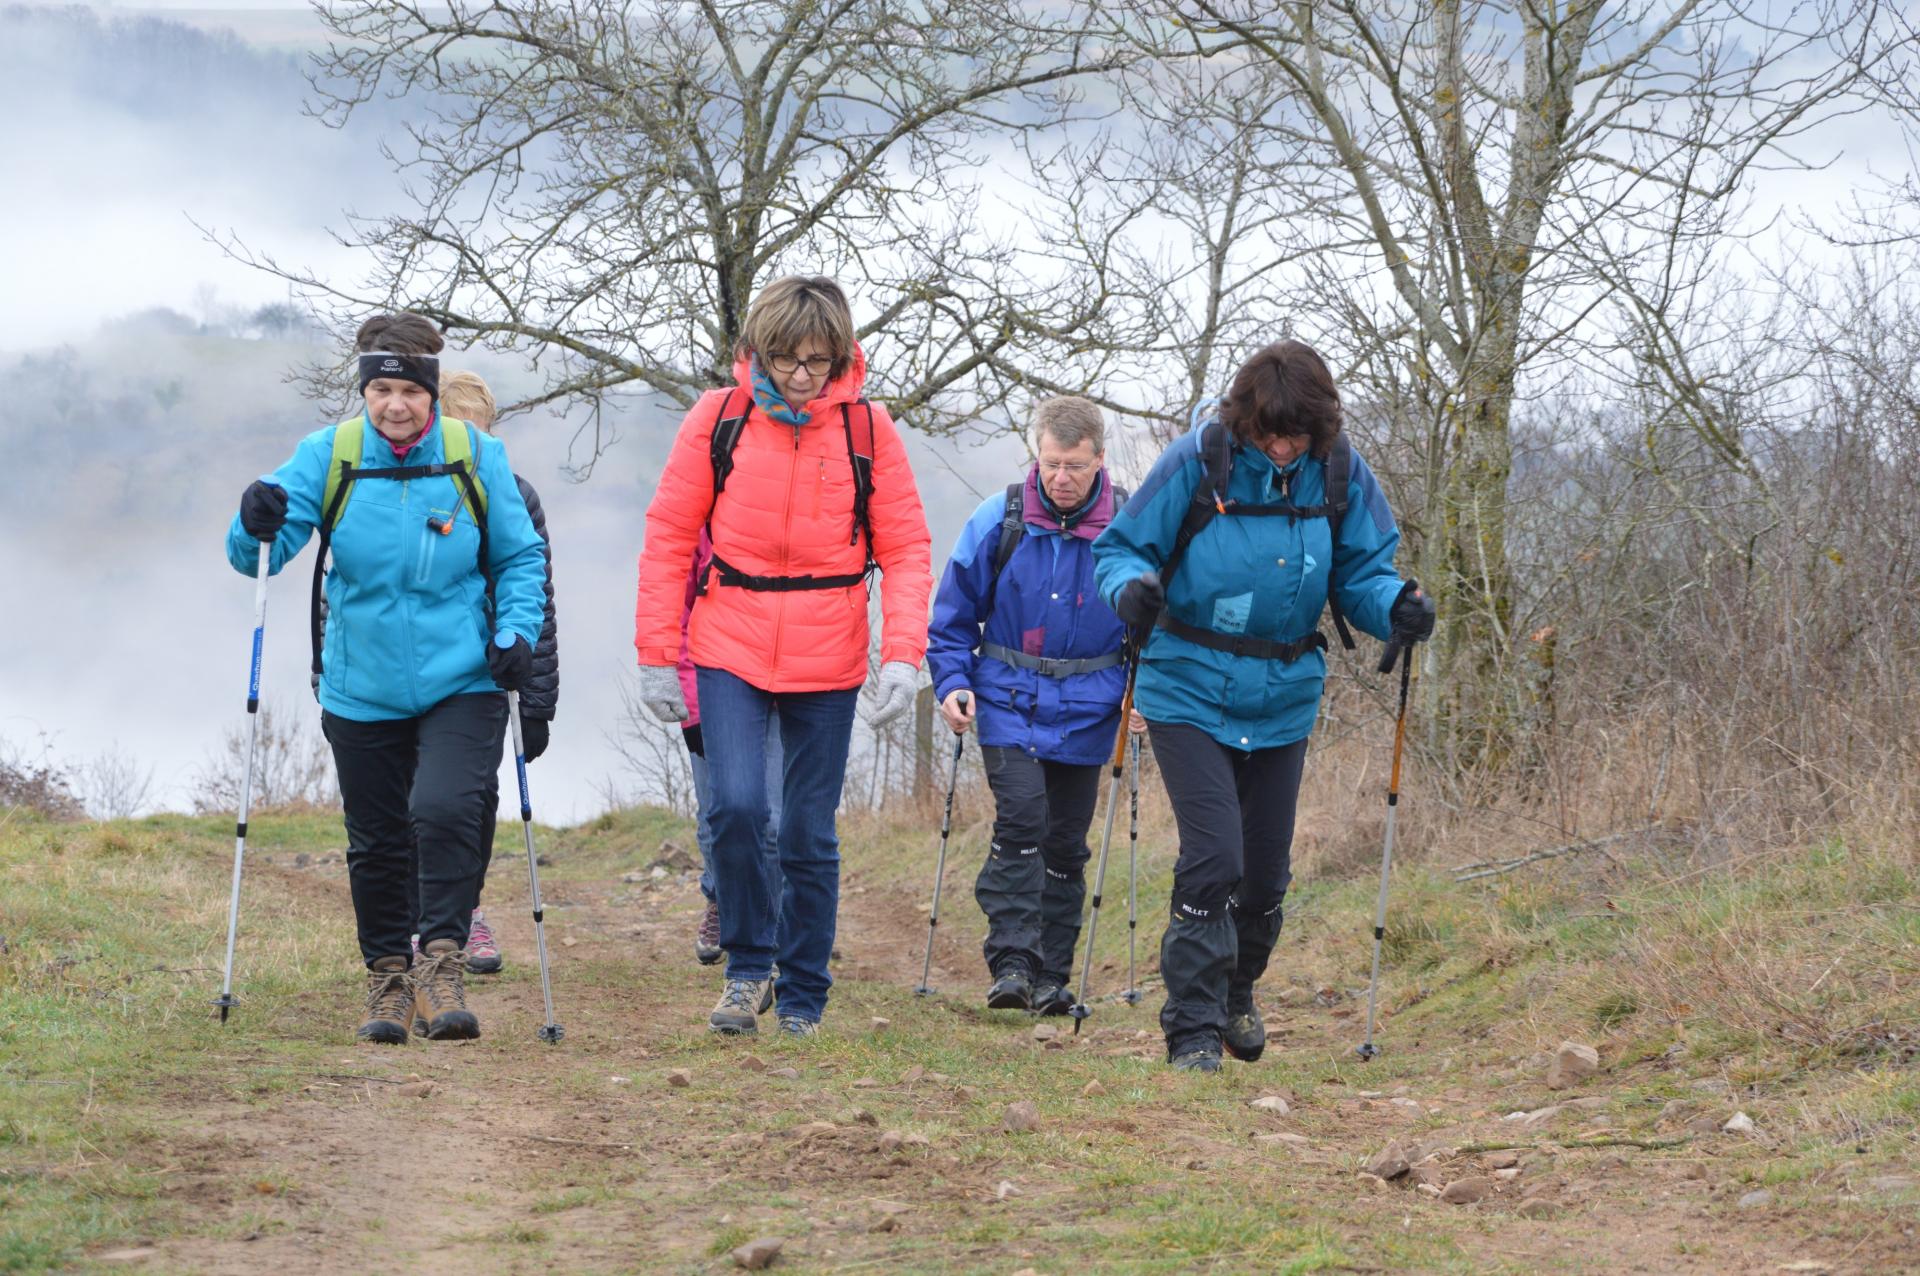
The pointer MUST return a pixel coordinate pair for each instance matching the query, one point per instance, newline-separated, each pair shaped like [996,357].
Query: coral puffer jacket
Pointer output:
[787,511]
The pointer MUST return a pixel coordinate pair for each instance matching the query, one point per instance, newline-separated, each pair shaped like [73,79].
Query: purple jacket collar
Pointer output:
[1087,524]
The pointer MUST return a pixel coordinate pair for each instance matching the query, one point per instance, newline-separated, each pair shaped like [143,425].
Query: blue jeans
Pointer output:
[703,798]
[815,729]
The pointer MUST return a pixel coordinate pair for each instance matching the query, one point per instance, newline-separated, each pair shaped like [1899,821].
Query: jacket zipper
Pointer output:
[786,520]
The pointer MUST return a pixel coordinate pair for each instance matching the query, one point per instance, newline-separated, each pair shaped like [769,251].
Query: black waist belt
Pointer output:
[1241,644]
[1047,666]
[731,575]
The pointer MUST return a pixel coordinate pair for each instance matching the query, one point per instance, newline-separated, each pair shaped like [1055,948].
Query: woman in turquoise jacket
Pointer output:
[1242,534]
[434,599]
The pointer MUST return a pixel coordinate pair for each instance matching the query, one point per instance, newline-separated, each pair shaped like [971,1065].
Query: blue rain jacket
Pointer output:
[1045,605]
[1265,577]
[406,605]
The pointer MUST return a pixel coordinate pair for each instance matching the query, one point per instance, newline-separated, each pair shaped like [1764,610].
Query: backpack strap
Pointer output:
[459,446]
[1339,473]
[349,437]
[1209,494]
[728,425]
[1013,528]
[860,457]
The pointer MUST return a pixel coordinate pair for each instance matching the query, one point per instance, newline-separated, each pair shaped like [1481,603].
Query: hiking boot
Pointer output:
[706,940]
[441,993]
[1246,1034]
[1198,1058]
[483,950]
[738,1012]
[1051,997]
[1011,991]
[389,1002]
[794,1026]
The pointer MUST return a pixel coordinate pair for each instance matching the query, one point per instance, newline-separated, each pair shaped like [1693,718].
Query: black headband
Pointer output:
[421,369]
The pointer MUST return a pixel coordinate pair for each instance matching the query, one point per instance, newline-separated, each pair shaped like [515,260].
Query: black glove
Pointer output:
[510,666]
[691,737]
[1141,599]
[533,734]
[1412,614]
[263,509]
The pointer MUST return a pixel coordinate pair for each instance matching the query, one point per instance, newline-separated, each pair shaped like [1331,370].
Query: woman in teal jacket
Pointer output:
[434,599]
[1226,556]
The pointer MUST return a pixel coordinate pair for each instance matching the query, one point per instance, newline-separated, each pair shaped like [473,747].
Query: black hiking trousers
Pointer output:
[1034,881]
[417,793]
[1235,812]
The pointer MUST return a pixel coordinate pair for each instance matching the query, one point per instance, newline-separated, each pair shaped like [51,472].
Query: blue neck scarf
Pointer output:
[771,401]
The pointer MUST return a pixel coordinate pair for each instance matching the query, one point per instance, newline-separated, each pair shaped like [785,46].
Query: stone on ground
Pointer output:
[1024,1115]
[1390,1162]
[1271,1103]
[679,1078]
[1573,1063]
[755,1255]
[1466,1191]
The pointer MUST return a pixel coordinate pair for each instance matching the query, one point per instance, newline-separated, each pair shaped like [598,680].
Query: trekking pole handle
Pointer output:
[960,737]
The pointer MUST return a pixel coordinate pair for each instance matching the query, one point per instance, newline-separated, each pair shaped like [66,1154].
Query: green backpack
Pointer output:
[343,471]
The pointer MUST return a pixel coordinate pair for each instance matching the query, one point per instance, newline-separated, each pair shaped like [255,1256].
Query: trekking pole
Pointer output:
[940,867]
[1395,651]
[1080,1008]
[550,1032]
[1132,995]
[225,1001]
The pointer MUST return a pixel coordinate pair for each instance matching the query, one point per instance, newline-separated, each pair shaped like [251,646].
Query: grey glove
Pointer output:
[893,692]
[660,693]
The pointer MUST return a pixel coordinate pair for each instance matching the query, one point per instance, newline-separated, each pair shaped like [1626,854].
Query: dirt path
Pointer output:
[527,1158]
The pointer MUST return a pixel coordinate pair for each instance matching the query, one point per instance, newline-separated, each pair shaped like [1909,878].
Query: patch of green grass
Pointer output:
[727,1239]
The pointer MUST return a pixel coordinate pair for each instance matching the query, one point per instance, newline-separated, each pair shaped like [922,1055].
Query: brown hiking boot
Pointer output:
[389,1002]
[441,994]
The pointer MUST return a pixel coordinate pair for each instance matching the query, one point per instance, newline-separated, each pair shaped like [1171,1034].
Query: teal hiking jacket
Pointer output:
[406,604]
[1262,577]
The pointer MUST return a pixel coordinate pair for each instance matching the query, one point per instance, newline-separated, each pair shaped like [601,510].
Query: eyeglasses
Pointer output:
[1073,469]
[786,364]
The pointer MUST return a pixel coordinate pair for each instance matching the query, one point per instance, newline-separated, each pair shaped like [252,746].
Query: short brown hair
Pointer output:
[1283,391]
[465,395]
[788,311]
[403,333]
[1070,419]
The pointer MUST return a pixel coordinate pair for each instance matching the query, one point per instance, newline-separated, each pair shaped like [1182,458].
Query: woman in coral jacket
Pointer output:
[805,491]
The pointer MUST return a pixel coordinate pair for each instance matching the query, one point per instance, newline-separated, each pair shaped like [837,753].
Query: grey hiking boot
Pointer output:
[794,1026]
[439,981]
[389,1002]
[738,1011]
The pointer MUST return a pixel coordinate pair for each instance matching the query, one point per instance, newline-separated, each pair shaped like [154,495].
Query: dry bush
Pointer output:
[35,784]
[292,769]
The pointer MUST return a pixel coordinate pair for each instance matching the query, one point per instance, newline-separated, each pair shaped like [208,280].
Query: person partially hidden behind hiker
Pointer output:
[805,488]
[1247,528]
[434,601]
[465,396]
[1021,636]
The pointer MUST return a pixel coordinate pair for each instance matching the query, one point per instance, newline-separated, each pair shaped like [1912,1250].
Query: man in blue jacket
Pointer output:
[1245,531]
[1018,625]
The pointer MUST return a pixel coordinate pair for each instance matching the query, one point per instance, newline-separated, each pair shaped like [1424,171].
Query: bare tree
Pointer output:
[605,183]
[1478,179]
